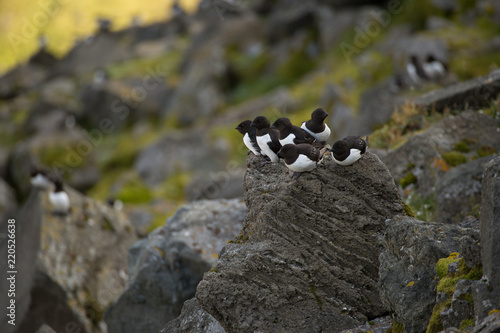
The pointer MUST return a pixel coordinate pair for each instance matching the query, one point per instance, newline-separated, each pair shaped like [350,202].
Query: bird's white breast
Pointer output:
[288,140]
[249,144]
[302,164]
[412,73]
[262,142]
[354,155]
[320,137]
[41,182]
[60,201]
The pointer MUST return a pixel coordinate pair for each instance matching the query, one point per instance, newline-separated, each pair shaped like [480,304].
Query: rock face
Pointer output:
[458,192]
[473,94]
[165,268]
[27,246]
[85,253]
[408,266]
[193,319]
[487,291]
[424,151]
[307,257]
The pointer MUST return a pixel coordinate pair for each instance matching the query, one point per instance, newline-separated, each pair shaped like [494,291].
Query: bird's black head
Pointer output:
[319,114]
[260,122]
[282,123]
[244,126]
[58,185]
[287,151]
[339,147]
[37,171]
[430,58]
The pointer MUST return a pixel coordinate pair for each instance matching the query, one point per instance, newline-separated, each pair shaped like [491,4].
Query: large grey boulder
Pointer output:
[49,309]
[408,276]
[424,154]
[165,268]
[490,324]
[85,253]
[307,257]
[487,291]
[26,230]
[193,319]
[458,191]
[472,94]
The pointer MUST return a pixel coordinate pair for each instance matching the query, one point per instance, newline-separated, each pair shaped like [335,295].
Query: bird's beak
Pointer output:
[236,128]
[280,154]
[252,125]
[273,127]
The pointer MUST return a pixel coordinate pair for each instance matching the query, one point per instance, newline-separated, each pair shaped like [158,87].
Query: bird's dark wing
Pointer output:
[274,144]
[302,136]
[252,134]
[360,144]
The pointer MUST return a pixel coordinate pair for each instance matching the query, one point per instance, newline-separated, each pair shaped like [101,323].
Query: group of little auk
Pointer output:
[301,148]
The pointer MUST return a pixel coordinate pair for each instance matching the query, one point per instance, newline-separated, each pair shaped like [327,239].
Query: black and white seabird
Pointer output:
[291,134]
[316,125]
[415,70]
[348,150]
[249,136]
[434,69]
[59,199]
[300,158]
[115,203]
[267,138]
[39,179]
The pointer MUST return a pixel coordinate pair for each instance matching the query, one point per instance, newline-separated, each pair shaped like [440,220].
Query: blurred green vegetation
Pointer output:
[62,22]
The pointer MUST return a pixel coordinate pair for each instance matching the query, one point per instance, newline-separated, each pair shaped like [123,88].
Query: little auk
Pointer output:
[39,179]
[348,150]
[434,68]
[267,138]
[301,158]
[316,125]
[291,134]
[415,70]
[59,199]
[249,136]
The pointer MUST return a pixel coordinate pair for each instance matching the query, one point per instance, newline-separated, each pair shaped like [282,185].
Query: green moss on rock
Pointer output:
[462,147]
[443,263]
[135,192]
[407,180]
[408,210]
[486,151]
[397,327]
[467,323]
[453,158]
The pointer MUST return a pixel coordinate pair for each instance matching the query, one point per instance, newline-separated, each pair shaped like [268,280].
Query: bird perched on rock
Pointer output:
[39,179]
[291,134]
[415,70]
[433,68]
[249,136]
[267,138]
[348,150]
[301,158]
[316,125]
[59,199]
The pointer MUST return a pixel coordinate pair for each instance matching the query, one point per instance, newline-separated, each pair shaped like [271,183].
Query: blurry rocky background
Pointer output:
[142,110]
